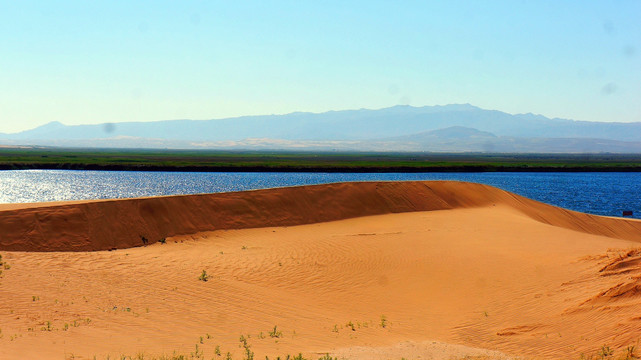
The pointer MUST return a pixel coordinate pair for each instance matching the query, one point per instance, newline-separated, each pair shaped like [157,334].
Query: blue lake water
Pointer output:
[596,193]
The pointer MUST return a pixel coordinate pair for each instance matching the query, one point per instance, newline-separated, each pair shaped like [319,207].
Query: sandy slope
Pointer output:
[444,262]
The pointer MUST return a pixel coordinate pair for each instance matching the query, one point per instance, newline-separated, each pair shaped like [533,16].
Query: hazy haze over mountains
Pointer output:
[451,128]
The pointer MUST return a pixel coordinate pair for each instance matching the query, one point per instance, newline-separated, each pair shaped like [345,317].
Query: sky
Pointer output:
[89,62]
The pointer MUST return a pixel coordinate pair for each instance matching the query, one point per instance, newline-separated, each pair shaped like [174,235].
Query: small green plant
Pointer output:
[249,355]
[228,356]
[275,333]
[327,357]
[629,353]
[244,247]
[3,265]
[198,353]
[383,321]
[163,241]
[217,350]
[335,329]
[35,298]
[350,325]
[605,352]
[202,341]
[48,326]
[203,276]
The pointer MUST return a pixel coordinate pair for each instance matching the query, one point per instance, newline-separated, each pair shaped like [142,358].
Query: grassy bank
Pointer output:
[283,161]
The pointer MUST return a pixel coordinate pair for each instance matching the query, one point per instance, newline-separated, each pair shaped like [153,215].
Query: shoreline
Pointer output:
[324,169]
[291,161]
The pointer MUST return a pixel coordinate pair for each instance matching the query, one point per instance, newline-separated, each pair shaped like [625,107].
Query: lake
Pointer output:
[595,193]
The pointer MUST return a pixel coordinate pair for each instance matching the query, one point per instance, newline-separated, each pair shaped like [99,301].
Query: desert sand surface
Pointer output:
[375,270]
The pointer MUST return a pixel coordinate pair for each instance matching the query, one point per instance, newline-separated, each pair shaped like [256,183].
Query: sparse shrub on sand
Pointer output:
[630,354]
[197,354]
[350,325]
[249,355]
[327,357]
[163,241]
[3,265]
[605,352]
[383,321]
[275,333]
[47,327]
[203,276]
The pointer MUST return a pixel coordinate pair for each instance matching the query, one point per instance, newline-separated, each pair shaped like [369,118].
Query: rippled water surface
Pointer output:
[596,193]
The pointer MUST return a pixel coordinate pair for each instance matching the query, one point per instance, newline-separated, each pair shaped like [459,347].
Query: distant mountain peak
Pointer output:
[459,132]
[52,125]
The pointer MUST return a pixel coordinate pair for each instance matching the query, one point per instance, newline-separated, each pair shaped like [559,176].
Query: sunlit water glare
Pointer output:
[596,193]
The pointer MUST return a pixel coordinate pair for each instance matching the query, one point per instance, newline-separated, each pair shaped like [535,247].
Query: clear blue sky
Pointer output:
[92,62]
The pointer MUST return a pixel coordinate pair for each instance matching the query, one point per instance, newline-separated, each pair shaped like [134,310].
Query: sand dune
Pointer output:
[118,224]
[429,270]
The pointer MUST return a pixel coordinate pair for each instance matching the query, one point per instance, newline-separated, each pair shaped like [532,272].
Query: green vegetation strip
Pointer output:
[264,161]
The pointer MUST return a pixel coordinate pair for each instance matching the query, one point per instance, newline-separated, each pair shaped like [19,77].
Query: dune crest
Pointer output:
[124,223]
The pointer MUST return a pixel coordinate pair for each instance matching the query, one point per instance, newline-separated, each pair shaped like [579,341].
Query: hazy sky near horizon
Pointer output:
[81,62]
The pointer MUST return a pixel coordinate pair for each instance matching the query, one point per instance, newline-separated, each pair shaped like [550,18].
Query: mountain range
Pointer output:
[448,128]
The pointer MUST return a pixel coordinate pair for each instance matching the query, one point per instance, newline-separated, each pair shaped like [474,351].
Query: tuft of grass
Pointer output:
[275,333]
[163,241]
[327,357]
[48,327]
[249,355]
[197,354]
[350,325]
[3,265]
[383,321]
[605,352]
[203,276]
[629,353]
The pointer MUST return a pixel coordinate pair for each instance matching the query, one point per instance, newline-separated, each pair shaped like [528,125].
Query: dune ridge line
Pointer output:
[115,224]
